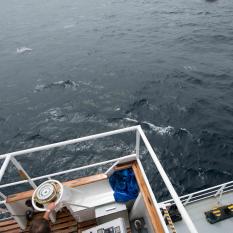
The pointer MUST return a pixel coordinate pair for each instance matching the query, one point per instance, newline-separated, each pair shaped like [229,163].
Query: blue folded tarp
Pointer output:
[124,185]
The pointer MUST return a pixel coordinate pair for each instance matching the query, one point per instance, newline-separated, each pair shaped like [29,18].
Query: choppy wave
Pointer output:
[190,68]
[2,119]
[22,50]
[55,114]
[158,129]
[130,120]
[169,130]
[59,84]
[211,0]
[69,26]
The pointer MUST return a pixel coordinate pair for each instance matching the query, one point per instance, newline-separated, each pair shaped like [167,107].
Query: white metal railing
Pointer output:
[11,157]
[215,191]
[49,176]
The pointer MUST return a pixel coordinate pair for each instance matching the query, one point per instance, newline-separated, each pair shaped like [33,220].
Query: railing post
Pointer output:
[187,201]
[2,195]
[109,171]
[220,190]
[137,147]
[22,172]
[4,166]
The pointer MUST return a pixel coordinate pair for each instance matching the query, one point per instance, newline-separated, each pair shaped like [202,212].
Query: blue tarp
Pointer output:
[124,185]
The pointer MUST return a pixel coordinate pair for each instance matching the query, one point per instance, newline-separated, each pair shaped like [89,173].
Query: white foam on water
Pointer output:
[69,26]
[130,119]
[190,68]
[22,50]
[168,130]
[39,87]
[59,84]
[160,130]
[183,129]
[66,84]
[55,114]
[78,118]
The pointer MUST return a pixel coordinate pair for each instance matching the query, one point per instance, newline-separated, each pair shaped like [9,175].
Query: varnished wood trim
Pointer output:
[85,180]
[19,196]
[123,166]
[71,184]
[155,220]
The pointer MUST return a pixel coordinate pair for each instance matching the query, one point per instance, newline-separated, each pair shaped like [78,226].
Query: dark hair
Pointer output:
[40,226]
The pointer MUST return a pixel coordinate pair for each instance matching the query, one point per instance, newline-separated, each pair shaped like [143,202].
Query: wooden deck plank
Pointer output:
[8,222]
[87,223]
[71,184]
[155,220]
[64,219]
[128,230]
[9,227]
[68,230]
[63,225]
[62,228]
[12,231]
[59,215]
[82,226]
[86,227]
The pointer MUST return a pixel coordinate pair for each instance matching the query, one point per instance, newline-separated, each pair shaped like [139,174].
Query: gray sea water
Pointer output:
[73,68]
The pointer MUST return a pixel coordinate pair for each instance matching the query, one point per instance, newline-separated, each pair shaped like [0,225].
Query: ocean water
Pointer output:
[74,68]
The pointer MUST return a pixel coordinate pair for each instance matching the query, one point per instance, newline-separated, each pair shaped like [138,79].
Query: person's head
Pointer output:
[40,226]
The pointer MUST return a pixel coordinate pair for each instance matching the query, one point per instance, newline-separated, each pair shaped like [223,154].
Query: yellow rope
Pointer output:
[169,220]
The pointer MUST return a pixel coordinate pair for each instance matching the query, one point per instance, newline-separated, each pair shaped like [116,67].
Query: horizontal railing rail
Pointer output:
[49,176]
[215,191]
[69,142]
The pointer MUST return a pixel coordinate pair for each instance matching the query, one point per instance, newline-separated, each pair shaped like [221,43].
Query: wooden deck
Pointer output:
[65,223]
